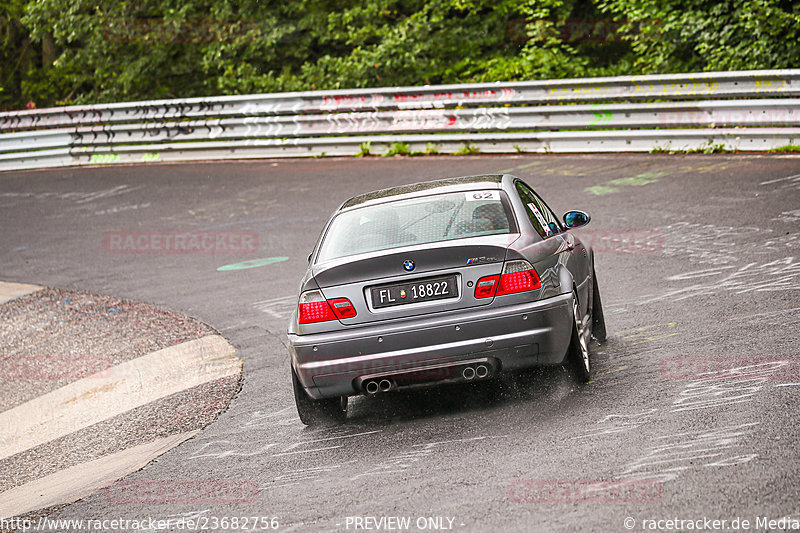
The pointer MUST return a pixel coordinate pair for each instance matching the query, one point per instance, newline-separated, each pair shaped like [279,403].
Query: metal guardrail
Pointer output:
[750,110]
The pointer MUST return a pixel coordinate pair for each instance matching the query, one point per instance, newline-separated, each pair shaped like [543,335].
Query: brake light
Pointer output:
[525,280]
[517,276]
[313,307]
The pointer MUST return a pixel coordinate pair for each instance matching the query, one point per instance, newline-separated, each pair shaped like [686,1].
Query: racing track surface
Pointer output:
[710,276]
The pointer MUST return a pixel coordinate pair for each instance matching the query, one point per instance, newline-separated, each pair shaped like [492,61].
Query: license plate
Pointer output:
[409,292]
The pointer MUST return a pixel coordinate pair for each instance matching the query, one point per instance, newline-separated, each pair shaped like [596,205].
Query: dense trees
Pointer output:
[80,51]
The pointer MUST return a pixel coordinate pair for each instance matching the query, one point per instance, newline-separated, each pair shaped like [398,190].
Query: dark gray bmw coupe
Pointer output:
[446,281]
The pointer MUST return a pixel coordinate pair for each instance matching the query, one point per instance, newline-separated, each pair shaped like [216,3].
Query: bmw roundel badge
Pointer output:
[408,265]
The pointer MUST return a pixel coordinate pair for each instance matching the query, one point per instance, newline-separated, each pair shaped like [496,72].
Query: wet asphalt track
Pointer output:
[717,279]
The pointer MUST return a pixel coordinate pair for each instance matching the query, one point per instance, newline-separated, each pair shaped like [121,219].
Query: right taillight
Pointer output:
[313,307]
[517,276]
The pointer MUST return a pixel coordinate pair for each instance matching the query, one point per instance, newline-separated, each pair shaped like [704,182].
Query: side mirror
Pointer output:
[576,219]
[309,257]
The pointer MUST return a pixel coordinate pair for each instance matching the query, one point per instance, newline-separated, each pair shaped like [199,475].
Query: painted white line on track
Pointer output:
[79,481]
[9,290]
[114,391]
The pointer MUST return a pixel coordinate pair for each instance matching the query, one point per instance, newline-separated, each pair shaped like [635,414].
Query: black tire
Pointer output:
[578,351]
[313,412]
[598,319]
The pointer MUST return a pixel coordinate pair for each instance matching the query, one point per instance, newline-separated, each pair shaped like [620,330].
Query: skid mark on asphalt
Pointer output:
[76,197]
[284,442]
[677,453]
[789,216]
[619,423]
[279,308]
[673,454]
[722,249]
[728,386]
[774,276]
[296,477]
[231,448]
[721,245]
[792,181]
[119,209]
[405,460]
[649,333]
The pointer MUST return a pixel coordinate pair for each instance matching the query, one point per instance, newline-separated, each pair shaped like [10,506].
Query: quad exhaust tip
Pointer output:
[468,373]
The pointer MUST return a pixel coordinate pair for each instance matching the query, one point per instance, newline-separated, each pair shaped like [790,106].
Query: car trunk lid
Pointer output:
[459,262]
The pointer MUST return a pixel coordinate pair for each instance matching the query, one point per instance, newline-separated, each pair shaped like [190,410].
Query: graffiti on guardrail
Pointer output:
[416,100]
[764,116]
[272,125]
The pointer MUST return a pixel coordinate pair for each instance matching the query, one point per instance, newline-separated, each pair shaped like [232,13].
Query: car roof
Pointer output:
[425,188]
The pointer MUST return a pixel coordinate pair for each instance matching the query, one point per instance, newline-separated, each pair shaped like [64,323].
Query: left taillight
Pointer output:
[313,307]
[517,276]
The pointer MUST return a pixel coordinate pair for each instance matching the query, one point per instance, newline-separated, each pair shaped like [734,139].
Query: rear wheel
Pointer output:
[318,412]
[598,320]
[578,351]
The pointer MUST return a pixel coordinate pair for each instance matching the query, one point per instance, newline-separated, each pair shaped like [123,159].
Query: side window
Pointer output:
[539,214]
[552,219]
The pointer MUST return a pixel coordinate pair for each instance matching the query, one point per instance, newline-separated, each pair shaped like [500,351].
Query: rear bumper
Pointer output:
[511,337]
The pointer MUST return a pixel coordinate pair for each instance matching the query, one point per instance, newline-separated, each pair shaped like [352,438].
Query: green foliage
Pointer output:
[468,149]
[397,148]
[17,53]
[431,149]
[709,35]
[789,148]
[707,148]
[89,51]
[364,149]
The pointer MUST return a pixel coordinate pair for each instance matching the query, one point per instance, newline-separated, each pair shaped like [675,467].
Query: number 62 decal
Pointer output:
[476,196]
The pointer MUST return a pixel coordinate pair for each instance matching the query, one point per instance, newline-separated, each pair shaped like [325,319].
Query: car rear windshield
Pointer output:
[435,218]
